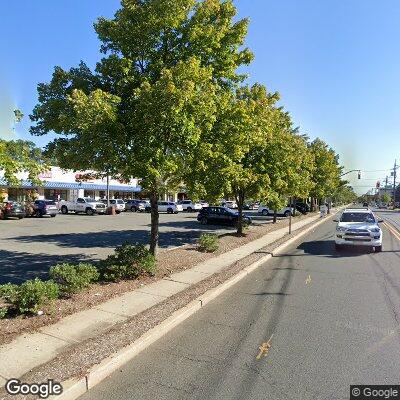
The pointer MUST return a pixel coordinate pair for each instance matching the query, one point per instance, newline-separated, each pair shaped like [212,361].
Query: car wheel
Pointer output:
[189,209]
[53,215]
[118,211]
[378,249]
[287,213]
[133,209]
[38,214]
[204,221]
[64,210]
[169,211]
[265,212]
[89,211]
[20,217]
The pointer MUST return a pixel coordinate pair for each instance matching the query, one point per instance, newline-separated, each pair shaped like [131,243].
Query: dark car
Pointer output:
[45,207]
[13,209]
[220,215]
[303,208]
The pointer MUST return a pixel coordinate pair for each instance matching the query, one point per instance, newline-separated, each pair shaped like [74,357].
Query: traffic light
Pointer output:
[359,174]
[378,185]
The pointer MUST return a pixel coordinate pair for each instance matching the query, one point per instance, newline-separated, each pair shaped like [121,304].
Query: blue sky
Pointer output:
[336,64]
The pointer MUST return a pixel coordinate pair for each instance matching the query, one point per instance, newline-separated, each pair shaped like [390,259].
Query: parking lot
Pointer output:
[29,247]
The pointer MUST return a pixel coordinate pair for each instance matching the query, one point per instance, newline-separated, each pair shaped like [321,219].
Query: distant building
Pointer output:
[58,184]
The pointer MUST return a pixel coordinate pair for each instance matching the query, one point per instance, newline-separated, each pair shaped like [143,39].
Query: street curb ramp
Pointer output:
[76,387]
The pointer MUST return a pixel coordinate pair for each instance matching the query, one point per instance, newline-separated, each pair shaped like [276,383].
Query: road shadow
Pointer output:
[16,267]
[112,239]
[325,248]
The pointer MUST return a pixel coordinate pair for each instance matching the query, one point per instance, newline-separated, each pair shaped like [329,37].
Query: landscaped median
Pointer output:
[93,341]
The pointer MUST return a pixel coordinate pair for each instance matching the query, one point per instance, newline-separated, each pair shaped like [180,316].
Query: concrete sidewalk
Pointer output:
[31,350]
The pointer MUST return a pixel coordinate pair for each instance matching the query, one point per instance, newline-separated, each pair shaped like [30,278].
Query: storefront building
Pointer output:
[58,184]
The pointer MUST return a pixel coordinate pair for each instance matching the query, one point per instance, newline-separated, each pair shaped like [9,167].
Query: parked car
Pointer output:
[189,206]
[203,203]
[229,204]
[136,205]
[45,207]
[303,208]
[220,215]
[286,211]
[13,209]
[169,207]
[251,206]
[118,204]
[83,205]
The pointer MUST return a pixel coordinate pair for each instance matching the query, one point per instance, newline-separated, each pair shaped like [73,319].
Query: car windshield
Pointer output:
[50,203]
[357,217]
[89,200]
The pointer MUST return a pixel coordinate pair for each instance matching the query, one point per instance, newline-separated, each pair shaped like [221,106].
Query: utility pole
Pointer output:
[394,183]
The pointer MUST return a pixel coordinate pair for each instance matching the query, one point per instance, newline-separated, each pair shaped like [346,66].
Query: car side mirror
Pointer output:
[380,221]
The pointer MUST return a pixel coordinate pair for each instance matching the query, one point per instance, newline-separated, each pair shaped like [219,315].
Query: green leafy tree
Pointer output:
[386,198]
[326,175]
[142,110]
[20,156]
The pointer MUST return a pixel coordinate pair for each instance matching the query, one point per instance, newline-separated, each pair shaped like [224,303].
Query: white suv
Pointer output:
[169,207]
[189,206]
[358,227]
[264,210]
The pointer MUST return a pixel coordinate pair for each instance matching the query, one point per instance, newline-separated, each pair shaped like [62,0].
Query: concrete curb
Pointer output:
[76,387]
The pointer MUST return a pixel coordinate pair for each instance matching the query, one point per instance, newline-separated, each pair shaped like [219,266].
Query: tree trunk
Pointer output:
[240,201]
[275,217]
[154,223]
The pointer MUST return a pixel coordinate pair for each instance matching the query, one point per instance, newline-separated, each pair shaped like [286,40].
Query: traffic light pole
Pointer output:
[394,184]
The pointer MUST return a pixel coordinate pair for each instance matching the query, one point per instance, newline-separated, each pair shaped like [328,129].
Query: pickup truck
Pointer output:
[82,205]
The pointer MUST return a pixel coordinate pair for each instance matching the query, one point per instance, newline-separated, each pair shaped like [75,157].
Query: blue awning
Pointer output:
[75,185]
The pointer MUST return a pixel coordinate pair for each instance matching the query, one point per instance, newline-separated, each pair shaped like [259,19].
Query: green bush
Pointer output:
[3,312]
[208,242]
[33,294]
[74,278]
[8,292]
[128,262]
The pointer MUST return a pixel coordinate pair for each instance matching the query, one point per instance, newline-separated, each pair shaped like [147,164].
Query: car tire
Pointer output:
[265,212]
[89,211]
[189,209]
[64,210]
[287,213]
[170,211]
[20,217]
[118,212]
[53,215]
[133,209]
[38,214]
[378,249]
[204,221]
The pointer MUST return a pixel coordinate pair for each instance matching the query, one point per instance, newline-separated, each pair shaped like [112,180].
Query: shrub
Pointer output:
[8,292]
[33,294]
[73,278]
[208,242]
[3,312]
[128,262]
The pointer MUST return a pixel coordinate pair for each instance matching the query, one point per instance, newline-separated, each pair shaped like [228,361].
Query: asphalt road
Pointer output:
[29,247]
[334,320]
